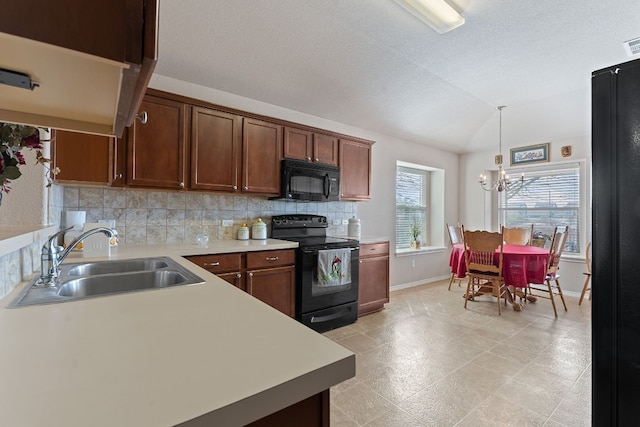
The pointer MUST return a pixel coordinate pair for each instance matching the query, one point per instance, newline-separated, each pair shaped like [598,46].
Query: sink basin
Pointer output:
[103,278]
[122,266]
[118,283]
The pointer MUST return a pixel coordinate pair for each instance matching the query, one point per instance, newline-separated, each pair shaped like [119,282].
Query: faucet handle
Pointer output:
[51,245]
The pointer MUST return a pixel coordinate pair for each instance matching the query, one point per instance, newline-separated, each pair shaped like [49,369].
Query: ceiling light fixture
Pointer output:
[435,13]
[502,183]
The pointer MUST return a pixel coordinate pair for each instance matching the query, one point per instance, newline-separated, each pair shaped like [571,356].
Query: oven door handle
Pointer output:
[315,251]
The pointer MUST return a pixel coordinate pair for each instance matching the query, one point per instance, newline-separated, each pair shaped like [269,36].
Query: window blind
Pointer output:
[548,197]
[411,204]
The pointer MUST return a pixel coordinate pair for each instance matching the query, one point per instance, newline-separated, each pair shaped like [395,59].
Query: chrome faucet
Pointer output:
[53,254]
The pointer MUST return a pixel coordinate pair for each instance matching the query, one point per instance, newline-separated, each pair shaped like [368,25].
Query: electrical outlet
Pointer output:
[345,222]
[413,263]
[227,223]
[336,222]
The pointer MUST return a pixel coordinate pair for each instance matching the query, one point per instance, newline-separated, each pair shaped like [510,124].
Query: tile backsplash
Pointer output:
[148,216]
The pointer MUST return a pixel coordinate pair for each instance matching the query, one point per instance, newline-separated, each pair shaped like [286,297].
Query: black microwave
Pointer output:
[313,182]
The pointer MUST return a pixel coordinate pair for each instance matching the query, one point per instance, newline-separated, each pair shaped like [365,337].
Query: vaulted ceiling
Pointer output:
[372,65]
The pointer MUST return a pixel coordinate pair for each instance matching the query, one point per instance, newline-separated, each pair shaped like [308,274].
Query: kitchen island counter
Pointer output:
[208,352]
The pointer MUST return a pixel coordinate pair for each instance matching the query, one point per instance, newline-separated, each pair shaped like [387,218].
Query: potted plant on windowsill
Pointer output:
[414,233]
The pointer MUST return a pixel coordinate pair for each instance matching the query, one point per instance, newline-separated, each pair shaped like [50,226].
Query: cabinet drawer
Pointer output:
[374,249]
[220,263]
[267,259]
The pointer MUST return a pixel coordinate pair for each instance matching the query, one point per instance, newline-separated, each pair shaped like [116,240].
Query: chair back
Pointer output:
[587,257]
[455,234]
[480,251]
[557,246]
[517,236]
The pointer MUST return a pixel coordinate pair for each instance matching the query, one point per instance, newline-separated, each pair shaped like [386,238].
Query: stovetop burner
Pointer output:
[308,231]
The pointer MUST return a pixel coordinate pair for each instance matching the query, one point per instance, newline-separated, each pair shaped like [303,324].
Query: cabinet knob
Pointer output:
[119,176]
[238,275]
[181,185]
[245,188]
[143,117]
[211,264]
[317,159]
[235,187]
[308,159]
[250,274]
[272,258]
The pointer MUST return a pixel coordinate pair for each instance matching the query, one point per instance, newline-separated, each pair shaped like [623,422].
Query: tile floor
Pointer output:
[426,361]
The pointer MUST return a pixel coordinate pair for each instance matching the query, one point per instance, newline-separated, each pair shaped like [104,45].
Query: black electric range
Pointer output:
[320,306]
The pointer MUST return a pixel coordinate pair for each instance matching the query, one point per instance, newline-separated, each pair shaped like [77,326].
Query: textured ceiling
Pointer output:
[372,65]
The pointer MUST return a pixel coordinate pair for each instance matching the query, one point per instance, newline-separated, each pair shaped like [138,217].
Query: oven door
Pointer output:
[310,295]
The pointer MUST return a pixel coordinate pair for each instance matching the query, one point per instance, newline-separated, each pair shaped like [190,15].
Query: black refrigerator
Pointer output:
[616,245]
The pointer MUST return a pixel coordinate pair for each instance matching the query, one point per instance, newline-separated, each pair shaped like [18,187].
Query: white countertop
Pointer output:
[161,357]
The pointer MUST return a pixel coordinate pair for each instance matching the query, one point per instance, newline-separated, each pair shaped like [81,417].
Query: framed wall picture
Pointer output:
[530,154]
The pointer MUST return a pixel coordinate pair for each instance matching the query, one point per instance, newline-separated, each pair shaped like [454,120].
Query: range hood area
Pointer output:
[88,63]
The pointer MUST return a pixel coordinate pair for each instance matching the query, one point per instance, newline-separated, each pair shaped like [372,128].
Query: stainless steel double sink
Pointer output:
[102,278]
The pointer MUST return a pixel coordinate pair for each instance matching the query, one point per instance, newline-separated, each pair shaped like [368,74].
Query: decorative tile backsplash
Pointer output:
[147,216]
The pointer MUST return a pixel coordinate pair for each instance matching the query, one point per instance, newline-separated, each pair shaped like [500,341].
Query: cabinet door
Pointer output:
[297,144]
[156,149]
[82,157]
[325,149]
[261,155]
[274,286]
[215,150]
[355,170]
[373,284]
[234,278]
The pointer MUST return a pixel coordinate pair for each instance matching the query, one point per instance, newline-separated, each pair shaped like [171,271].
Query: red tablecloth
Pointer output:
[521,265]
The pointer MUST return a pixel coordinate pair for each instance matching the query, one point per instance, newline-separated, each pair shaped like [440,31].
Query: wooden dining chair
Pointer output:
[483,272]
[517,236]
[551,285]
[455,237]
[587,280]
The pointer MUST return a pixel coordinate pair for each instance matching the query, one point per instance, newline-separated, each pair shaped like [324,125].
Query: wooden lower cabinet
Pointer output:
[271,278]
[373,285]
[266,275]
[311,412]
[274,286]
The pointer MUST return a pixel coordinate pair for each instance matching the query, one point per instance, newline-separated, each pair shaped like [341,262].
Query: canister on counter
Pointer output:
[259,230]
[243,232]
[353,229]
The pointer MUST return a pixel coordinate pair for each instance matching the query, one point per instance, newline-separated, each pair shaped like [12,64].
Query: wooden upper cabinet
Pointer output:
[355,170]
[156,150]
[93,59]
[261,155]
[325,149]
[298,143]
[86,158]
[215,150]
[312,147]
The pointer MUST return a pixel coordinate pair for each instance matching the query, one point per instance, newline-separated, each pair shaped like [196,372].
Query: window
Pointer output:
[412,197]
[548,197]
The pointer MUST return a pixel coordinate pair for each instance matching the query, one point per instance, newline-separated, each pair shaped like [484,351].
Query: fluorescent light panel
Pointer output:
[435,13]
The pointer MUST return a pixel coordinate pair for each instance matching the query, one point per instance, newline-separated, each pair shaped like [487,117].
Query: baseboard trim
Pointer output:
[417,283]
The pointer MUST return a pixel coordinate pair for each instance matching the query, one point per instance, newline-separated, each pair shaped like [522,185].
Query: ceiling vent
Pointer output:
[632,47]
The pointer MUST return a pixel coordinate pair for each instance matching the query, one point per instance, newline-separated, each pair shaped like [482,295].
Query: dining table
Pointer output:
[521,265]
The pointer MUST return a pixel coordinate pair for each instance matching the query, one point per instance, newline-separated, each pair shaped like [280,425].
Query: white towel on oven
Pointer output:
[334,267]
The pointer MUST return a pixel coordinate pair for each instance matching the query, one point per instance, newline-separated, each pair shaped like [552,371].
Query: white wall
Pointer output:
[378,214]
[26,203]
